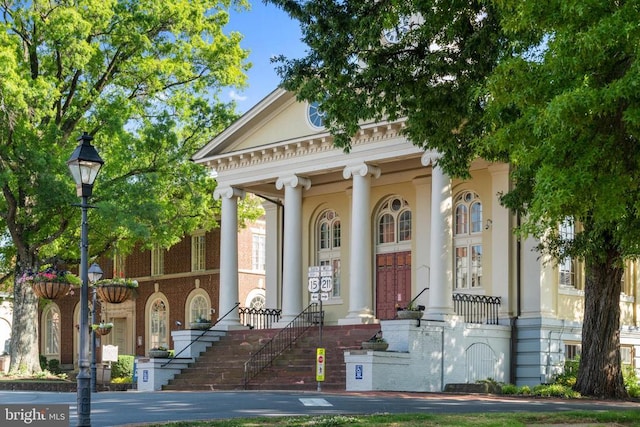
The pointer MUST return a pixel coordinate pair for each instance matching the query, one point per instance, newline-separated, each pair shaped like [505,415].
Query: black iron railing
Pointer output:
[282,341]
[477,308]
[259,318]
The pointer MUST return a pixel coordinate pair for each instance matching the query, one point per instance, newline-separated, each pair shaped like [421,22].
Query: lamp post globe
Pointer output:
[84,165]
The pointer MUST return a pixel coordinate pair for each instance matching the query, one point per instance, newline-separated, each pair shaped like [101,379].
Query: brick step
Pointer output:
[221,367]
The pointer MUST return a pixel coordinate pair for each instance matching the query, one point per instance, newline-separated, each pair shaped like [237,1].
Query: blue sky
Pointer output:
[268,31]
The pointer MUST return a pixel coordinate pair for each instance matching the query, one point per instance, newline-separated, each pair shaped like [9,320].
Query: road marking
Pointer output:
[314,402]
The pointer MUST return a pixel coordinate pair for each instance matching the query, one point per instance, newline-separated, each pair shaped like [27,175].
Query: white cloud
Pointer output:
[236,97]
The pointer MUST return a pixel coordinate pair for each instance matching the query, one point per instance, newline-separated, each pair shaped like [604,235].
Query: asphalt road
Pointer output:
[132,407]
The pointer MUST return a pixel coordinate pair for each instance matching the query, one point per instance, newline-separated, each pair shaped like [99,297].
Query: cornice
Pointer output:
[299,148]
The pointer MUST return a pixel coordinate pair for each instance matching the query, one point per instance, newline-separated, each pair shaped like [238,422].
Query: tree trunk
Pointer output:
[24,352]
[600,373]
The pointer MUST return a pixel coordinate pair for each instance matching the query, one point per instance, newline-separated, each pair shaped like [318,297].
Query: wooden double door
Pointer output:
[393,283]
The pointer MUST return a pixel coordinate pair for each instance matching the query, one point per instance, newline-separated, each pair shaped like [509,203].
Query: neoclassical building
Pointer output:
[395,227]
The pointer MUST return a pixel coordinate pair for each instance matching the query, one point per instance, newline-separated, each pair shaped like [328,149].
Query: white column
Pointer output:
[292,280]
[228,257]
[273,253]
[360,264]
[421,233]
[498,226]
[440,303]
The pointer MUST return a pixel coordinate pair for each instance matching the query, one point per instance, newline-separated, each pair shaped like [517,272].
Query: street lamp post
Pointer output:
[95,273]
[84,165]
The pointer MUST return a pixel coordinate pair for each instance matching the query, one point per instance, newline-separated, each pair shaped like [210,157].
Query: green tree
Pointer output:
[143,78]
[431,74]
[550,87]
[565,106]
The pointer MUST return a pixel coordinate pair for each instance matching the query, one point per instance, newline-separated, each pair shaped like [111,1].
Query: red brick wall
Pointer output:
[177,263]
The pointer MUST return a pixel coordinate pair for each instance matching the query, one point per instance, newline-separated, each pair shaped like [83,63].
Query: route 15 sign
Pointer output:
[314,279]
[320,279]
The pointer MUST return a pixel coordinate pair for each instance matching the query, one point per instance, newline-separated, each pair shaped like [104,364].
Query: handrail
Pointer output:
[259,318]
[200,336]
[482,309]
[280,342]
[417,296]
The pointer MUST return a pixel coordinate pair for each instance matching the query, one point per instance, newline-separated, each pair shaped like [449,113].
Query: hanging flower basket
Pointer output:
[115,291]
[49,283]
[102,328]
[50,290]
[103,331]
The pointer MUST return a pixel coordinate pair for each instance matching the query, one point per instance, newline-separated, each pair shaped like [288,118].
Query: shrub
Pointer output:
[570,374]
[554,390]
[525,389]
[54,366]
[510,389]
[43,362]
[123,368]
[631,381]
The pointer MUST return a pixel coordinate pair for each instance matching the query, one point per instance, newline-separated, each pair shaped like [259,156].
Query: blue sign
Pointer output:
[145,375]
[359,372]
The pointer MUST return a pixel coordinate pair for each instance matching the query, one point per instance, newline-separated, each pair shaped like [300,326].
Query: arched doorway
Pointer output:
[393,257]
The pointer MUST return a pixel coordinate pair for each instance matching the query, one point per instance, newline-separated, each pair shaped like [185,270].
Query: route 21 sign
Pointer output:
[320,282]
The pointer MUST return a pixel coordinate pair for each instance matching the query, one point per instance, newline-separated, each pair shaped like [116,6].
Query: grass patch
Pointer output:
[515,419]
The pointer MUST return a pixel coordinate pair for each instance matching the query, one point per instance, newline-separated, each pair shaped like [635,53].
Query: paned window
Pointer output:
[51,339]
[626,355]
[572,351]
[199,308]
[258,302]
[567,265]
[468,240]
[157,260]
[158,324]
[328,245]
[198,245]
[119,269]
[629,277]
[394,222]
[258,253]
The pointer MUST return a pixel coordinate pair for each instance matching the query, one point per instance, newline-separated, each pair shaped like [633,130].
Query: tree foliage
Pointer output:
[143,78]
[550,87]
[565,106]
[432,75]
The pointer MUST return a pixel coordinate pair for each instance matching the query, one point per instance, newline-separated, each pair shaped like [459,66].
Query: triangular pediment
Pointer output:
[278,117]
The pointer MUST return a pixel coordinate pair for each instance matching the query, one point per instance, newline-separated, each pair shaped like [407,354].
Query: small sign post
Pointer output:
[320,285]
[320,361]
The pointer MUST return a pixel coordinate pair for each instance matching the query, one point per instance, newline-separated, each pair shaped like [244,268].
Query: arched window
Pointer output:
[394,221]
[257,302]
[468,228]
[158,324]
[51,331]
[199,308]
[329,237]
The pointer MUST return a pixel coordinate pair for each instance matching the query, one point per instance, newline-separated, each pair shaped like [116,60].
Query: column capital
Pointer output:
[293,181]
[227,192]
[362,169]
[430,158]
